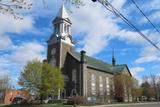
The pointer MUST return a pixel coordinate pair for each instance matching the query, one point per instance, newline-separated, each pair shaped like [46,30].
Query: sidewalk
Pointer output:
[127,104]
[2,104]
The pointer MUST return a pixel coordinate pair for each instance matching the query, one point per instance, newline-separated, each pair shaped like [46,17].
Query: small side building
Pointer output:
[8,95]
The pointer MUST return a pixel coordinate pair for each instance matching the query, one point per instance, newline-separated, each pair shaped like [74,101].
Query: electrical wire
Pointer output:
[138,7]
[110,7]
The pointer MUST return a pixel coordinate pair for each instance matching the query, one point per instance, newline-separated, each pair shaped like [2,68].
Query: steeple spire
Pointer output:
[113,59]
[63,13]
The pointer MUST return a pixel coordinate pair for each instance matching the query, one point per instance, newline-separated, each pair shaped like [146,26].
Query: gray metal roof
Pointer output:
[99,65]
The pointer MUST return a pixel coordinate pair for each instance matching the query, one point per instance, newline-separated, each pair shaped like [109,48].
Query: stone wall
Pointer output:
[102,90]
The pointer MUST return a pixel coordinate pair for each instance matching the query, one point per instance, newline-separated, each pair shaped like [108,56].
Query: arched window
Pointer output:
[68,28]
[107,86]
[93,84]
[74,75]
[65,28]
[53,61]
[57,27]
[100,85]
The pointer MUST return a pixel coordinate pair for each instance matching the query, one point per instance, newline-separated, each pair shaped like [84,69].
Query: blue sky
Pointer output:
[94,29]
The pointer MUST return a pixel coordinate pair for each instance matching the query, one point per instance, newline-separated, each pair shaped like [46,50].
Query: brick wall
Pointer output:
[10,94]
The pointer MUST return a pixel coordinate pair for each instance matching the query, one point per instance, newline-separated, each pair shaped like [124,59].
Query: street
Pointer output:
[135,105]
[129,105]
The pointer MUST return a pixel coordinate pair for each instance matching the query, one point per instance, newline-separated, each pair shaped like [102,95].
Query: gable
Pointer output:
[122,69]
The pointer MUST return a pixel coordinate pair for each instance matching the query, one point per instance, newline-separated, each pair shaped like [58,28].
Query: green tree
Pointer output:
[41,79]
[51,80]
[123,86]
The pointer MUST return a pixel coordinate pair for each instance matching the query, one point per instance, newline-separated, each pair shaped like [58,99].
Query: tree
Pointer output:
[136,91]
[119,90]
[4,85]
[148,91]
[51,80]
[154,83]
[123,86]
[41,79]
[5,82]
[13,6]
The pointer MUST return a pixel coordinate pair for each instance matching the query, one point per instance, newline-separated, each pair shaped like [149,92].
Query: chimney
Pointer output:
[83,56]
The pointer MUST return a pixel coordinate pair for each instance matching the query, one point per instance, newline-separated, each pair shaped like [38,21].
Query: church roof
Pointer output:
[119,68]
[100,65]
[63,13]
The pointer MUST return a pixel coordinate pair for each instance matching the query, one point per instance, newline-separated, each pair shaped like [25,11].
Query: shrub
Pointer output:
[76,100]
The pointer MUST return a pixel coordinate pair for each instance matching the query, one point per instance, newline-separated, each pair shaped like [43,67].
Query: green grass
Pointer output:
[48,105]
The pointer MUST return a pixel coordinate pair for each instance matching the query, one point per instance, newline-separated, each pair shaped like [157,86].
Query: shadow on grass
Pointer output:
[46,105]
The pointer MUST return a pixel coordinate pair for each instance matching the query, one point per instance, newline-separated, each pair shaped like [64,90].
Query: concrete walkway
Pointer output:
[127,104]
[2,104]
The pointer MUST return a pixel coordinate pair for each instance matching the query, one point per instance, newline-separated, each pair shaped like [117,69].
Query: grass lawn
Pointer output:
[49,105]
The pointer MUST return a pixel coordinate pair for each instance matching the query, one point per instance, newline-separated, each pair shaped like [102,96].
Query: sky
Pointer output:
[94,29]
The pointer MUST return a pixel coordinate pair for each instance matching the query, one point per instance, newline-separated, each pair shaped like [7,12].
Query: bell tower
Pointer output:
[62,26]
[60,41]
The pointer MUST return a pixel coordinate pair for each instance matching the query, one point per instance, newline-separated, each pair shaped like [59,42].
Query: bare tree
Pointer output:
[13,7]
[154,79]
[5,82]
[4,85]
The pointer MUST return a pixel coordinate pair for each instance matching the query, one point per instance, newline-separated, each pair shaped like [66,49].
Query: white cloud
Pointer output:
[11,64]
[152,5]
[145,59]
[9,24]
[135,71]
[118,4]
[155,16]
[131,37]
[9,68]
[98,26]
[5,42]
[27,52]
[148,54]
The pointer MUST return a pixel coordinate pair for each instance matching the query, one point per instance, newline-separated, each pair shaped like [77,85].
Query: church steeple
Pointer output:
[63,13]
[113,59]
[62,25]
[60,41]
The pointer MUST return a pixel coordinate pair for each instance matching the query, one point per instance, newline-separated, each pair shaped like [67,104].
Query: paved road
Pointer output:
[135,105]
[130,105]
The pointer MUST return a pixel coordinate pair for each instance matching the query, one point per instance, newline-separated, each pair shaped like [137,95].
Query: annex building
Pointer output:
[83,75]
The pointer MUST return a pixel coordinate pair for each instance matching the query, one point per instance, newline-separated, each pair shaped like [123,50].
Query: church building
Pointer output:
[83,75]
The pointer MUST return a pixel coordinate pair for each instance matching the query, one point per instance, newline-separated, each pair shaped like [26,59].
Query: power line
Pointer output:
[138,7]
[109,7]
